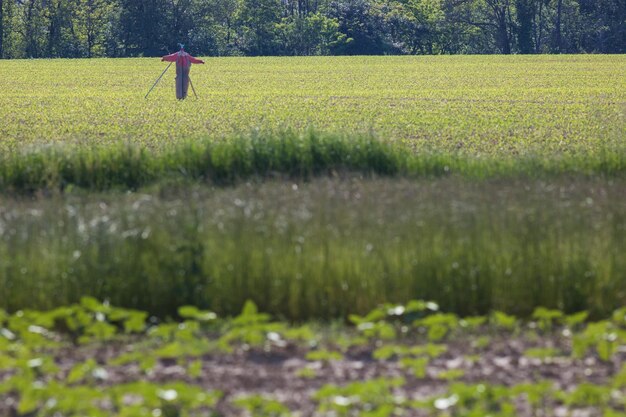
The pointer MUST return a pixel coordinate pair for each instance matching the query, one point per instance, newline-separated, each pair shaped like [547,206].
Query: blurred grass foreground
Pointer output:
[323,248]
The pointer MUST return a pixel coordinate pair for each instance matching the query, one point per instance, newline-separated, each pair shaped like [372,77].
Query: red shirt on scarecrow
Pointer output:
[183,65]
[182,58]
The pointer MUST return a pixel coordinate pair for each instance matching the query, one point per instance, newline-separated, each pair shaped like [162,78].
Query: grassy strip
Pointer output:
[295,155]
[325,248]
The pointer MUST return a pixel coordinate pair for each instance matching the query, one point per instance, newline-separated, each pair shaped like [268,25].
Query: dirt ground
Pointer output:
[276,371]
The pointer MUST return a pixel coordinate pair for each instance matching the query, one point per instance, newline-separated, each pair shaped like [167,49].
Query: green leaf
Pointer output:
[249,308]
[437,332]
[417,365]
[504,320]
[355,319]
[619,317]
[605,349]
[542,353]
[576,319]
[81,371]
[136,322]
[29,401]
[194,369]
[193,313]
[101,330]
[91,304]
[473,322]
[387,351]
[323,355]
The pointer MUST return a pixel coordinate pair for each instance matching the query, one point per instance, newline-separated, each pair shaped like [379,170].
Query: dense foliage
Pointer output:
[113,28]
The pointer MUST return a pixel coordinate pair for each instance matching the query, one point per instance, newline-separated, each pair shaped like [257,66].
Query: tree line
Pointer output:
[125,28]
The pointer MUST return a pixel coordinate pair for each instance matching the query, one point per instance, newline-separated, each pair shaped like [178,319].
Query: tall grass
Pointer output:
[287,154]
[323,248]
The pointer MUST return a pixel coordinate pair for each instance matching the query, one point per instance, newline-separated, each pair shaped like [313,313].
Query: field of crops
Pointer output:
[85,122]
[477,105]
[513,174]
[325,191]
[93,359]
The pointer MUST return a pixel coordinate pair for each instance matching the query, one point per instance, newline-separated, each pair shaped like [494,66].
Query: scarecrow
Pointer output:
[183,64]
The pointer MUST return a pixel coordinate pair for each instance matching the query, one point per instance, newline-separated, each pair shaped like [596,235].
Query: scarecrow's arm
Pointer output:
[170,58]
[195,60]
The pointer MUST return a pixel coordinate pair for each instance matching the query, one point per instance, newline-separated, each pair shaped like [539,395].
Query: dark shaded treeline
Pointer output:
[115,28]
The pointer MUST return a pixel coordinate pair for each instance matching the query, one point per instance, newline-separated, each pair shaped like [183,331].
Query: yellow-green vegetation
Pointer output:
[511,216]
[86,123]
[285,154]
[95,359]
[494,105]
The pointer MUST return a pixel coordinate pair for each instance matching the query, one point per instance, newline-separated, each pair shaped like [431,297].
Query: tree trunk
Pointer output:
[228,31]
[558,37]
[539,27]
[499,16]
[53,29]
[525,13]
[1,27]
[31,42]
[502,35]
[90,37]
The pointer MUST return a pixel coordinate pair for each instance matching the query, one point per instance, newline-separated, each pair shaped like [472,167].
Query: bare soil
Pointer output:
[275,371]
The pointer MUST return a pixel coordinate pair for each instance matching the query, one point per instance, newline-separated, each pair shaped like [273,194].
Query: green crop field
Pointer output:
[94,359]
[334,194]
[477,105]
[86,122]
[535,148]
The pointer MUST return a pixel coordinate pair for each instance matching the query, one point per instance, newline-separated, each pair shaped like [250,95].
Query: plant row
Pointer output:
[412,334]
[288,154]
